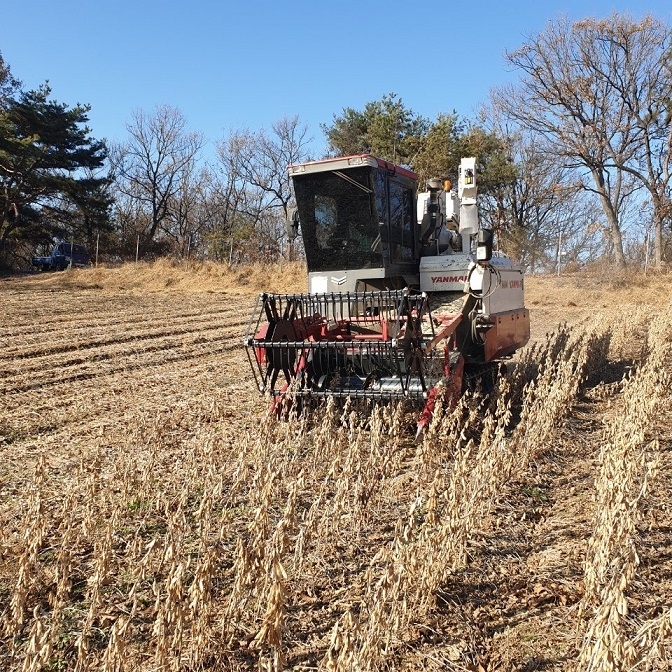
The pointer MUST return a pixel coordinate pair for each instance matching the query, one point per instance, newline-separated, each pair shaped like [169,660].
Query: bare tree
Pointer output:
[256,184]
[567,95]
[537,210]
[236,206]
[153,164]
[263,160]
[131,220]
[522,209]
[641,75]
[188,213]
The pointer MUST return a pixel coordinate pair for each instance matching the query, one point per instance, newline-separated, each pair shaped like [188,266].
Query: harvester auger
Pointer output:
[400,305]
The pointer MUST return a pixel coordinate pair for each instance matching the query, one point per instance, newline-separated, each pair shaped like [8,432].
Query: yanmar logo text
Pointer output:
[448,278]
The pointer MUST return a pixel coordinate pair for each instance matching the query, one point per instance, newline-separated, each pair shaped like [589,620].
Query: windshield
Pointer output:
[339,219]
[64,248]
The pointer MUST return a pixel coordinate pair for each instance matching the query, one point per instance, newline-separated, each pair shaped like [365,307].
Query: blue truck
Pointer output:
[63,255]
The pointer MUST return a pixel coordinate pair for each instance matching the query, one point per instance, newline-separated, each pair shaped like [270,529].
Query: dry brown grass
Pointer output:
[166,274]
[151,519]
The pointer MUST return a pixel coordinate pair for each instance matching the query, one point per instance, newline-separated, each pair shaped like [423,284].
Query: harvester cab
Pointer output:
[406,295]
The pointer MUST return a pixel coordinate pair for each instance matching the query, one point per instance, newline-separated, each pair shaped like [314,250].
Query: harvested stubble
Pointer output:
[188,534]
[445,512]
[627,464]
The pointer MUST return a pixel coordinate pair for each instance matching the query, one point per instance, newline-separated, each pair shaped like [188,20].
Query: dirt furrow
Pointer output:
[113,362]
[109,314]
[39,410]
[90,339]
[123,319]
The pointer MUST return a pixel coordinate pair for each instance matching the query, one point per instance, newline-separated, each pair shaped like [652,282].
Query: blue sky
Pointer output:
[232,65]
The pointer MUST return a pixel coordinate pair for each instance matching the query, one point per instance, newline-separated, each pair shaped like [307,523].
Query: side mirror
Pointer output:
[292,223]
[484,245]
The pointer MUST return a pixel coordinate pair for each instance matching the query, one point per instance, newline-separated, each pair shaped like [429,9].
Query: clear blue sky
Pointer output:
[236,64]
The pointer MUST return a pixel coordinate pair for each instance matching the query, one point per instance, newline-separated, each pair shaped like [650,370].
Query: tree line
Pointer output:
[574,162]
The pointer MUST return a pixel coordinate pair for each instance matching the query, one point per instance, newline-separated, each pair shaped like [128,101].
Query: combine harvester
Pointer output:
[405,292]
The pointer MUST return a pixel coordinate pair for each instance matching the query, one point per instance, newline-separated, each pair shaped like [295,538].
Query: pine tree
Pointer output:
[46,161]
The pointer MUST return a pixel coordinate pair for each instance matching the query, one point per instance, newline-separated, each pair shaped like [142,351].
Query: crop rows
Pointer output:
[73,372]
[151,518]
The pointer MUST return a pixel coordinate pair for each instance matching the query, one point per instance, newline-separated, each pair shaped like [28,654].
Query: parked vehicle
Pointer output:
[64,255]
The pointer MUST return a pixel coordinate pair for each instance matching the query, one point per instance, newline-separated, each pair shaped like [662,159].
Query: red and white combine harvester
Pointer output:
[405,292]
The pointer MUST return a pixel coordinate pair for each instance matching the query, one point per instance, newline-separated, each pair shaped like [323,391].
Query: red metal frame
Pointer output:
[509,332]
[320,329]
[452,383]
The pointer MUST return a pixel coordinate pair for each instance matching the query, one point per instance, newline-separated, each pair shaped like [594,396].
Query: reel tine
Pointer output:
[270,308]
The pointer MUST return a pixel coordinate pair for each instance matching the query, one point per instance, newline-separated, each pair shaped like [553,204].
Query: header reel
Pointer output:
[364,345]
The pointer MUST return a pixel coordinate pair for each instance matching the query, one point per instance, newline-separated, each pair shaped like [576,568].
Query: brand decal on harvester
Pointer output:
[512,284]
[448,278]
